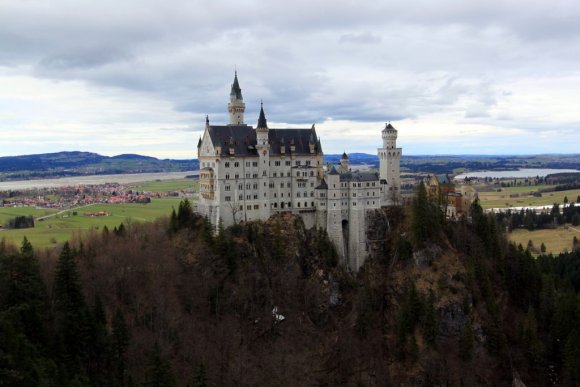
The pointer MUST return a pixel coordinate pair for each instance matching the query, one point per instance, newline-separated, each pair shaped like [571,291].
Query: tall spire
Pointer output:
[262,123]
[236,92]
[236,106]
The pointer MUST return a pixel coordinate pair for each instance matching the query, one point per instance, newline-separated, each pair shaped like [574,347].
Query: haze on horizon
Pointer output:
[494,77]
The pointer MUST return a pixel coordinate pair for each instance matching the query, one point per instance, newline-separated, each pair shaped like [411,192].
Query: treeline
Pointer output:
[20,222]
[531,220]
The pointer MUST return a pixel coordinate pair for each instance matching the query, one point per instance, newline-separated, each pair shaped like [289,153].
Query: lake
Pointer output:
[93,179]
[521,173]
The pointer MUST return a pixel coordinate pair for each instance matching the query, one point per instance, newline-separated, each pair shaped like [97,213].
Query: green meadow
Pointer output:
[62,226]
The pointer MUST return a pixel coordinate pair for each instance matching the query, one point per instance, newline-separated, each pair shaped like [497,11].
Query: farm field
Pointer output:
[61,227]
[166,185]
[556,240]
[502,199]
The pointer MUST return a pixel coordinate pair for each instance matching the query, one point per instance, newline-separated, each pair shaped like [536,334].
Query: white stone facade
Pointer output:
[250,174]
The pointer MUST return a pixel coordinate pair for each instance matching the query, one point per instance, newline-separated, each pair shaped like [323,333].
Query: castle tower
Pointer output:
[263,148]
[390,166]
[236,106]
[344,162]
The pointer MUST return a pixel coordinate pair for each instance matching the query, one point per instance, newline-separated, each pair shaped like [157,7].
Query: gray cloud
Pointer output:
[308,61]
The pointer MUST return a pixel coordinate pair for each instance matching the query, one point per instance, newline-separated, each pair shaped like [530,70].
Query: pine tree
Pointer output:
[466,341]
[71,311]
[571,369]
[200,377]
[430,321]
[159,373]
[543,248]
[119,345]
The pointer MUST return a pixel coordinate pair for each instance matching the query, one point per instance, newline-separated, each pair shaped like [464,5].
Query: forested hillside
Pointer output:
[265,304]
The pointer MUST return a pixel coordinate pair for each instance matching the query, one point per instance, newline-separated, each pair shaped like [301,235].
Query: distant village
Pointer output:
[79,195]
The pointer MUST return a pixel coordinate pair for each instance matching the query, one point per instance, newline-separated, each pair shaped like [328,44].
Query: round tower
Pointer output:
[236,106]
[389,136]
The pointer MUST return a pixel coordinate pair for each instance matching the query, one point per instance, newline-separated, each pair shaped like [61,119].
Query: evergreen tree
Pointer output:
[543,248]
[430,321]
[119,345]
[466,341]
[159,373]
[426,218]
[200,377]
[71,311]
[571,369]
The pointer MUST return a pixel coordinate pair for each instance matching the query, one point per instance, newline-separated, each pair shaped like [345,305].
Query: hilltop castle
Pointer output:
[251,173]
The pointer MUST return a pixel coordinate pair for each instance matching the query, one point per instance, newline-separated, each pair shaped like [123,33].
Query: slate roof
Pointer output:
[322,185]
[359,176]
[243,138]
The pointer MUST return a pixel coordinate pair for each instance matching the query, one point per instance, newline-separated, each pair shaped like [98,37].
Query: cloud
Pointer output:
[124,65]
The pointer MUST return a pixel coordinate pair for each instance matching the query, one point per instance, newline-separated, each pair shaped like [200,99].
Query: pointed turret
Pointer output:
[236,106]
[262,122]
[236,93]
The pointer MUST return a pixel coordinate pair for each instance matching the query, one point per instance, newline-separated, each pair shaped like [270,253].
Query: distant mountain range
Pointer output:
[62,164]
[85,163]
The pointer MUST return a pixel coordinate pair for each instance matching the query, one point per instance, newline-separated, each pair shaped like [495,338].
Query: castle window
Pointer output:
[275,174]
[307,162]
[249,207]
[297,194]
[282,185]
[236,164]
[255,175]
[241,197]
[287,163]
[240,186]
[227,164]
[228,198]
[248,197]
[298,204]
[288,174]
[248,186]
[227,176]
[275,194]
[264,173]
[289,204]
[311,193]
[247,163]
[241,208]
[237,175]
[255,185]
[256,197]
[227,188]
[254,164]
[312,204]
[297,163]
[277,163]
[298,174]
[311,173]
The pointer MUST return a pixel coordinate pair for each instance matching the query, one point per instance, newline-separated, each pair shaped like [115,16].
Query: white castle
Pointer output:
[251,173]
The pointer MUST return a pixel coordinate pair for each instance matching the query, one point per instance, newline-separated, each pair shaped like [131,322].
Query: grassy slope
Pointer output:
[556,240]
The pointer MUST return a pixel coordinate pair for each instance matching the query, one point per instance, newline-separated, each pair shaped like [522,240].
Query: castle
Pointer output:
[251,173]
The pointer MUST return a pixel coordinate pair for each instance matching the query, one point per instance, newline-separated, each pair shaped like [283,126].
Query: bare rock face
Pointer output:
[426,257]
[451,319]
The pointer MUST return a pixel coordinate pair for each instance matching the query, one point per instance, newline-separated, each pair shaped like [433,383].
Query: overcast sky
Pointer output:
[139,76]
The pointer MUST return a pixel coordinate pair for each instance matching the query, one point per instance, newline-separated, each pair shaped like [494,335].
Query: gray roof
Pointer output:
[244,140]
[322,185]
[359,176]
